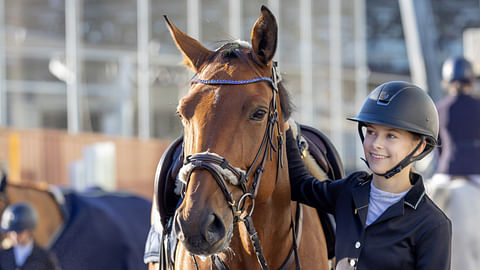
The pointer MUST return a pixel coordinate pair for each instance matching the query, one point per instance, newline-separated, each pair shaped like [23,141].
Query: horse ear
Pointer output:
[194,52]
[264,36]
[3,181]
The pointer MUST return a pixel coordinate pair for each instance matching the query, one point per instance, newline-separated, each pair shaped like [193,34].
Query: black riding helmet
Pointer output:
[18,217]
[457,69]
[404,106]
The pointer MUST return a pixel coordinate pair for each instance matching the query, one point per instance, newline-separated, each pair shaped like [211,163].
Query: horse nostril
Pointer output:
[213,229]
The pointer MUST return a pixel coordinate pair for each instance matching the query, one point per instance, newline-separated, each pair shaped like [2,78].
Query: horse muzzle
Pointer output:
[206,236]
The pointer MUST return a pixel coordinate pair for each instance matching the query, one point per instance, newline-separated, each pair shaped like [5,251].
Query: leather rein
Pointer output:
[216,166]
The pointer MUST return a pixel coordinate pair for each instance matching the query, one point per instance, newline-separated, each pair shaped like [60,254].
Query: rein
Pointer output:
[217,165]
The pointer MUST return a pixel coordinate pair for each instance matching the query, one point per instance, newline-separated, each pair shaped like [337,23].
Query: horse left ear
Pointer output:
[194,52]
[3,181]
[264,36]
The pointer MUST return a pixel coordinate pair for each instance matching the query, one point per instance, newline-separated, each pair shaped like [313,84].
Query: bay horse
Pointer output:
[236,210]
[459,197]
[93,229]
[46,205]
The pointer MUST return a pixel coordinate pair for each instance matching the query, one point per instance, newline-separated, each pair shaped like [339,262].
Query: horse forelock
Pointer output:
[230,50]
[243,51]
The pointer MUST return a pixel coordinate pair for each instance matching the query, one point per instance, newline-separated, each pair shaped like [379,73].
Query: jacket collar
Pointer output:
[416,193]
[361,197]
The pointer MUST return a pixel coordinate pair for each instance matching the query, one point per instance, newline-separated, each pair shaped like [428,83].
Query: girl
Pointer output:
[384,220]
[18,221]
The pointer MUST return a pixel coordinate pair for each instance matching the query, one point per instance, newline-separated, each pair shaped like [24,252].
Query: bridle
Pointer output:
[218,167]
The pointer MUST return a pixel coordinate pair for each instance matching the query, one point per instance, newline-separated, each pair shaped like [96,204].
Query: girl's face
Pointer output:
[20,238]
[385,147]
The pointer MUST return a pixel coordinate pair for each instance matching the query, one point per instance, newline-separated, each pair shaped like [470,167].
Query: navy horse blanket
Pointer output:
[103,230]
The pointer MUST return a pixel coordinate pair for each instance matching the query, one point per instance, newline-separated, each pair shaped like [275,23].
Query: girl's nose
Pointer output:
[377,143]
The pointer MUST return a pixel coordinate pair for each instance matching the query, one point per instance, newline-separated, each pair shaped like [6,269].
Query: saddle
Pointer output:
[166,199]
[322,161]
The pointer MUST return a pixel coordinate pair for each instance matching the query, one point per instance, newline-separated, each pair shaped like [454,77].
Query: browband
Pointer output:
[232,81]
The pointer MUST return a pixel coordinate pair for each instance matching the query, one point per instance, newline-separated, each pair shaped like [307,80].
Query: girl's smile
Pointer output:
[377,156]
[385,147]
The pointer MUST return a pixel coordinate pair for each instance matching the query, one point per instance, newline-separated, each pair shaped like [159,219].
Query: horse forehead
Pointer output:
[233,61]
[218,97]
[197,94]
[232,69]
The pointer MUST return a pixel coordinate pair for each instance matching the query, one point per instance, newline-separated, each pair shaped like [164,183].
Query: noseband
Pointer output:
[222,171]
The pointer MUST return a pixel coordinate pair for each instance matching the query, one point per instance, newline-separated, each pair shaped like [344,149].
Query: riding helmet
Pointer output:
[18,217]
[404,106]
[457,69]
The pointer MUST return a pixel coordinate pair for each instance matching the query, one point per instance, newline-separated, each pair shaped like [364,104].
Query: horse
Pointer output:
[235,210]
[85,230]
[459,197]
[45,202]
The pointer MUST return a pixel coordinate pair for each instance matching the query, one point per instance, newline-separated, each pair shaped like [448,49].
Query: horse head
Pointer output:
[50,215]
[234,119]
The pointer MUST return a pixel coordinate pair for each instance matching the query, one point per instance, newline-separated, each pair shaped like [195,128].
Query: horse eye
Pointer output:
[178,114]
[258,115]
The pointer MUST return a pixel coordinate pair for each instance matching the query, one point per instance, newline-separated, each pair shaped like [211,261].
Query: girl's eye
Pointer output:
[258,115]
[370,132]
[391,136]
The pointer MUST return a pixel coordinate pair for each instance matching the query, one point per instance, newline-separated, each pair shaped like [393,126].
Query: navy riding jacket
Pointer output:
[39,259]
[459,135]
[411,234]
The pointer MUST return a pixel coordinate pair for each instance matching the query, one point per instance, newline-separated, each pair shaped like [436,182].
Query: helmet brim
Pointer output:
[399,124]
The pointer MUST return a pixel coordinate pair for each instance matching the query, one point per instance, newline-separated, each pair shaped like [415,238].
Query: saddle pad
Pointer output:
[322,149]
[165,180]
[327,158]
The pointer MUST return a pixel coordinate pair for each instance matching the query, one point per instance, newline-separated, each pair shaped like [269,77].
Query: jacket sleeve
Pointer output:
[306,188]
[434,248]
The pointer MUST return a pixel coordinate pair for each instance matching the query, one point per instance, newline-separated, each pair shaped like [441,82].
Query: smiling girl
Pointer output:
[384,220]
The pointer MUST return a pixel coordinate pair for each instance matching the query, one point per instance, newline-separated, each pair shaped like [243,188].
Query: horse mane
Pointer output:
[42,187]
[38,186]
[242,50]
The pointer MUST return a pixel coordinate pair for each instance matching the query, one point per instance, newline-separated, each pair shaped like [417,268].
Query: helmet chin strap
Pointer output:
[402,164]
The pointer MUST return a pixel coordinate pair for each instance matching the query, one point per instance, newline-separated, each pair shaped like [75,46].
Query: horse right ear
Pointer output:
[3,181]
[194,52]
[264,36]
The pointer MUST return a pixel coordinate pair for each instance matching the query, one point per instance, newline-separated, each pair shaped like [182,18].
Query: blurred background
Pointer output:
[88,88]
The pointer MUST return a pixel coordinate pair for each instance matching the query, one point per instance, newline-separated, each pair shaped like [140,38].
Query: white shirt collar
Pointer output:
[22,252]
